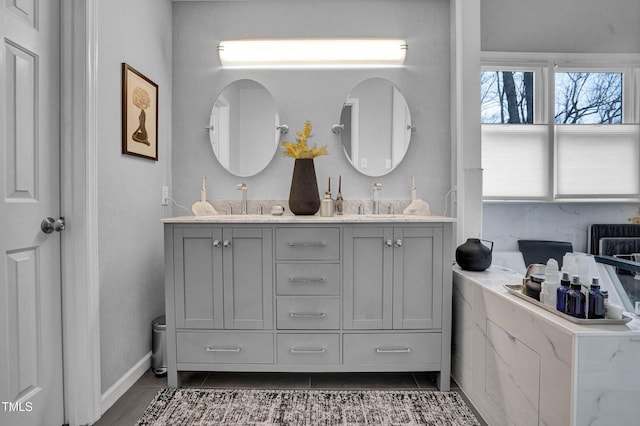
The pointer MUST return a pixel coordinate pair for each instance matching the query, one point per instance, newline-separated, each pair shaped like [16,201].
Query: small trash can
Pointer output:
[159,346]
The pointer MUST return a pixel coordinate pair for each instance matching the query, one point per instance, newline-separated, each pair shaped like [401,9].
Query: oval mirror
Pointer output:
[242,128]
[375,127]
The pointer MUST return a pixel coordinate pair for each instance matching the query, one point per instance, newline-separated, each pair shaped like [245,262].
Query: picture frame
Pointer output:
[139,114]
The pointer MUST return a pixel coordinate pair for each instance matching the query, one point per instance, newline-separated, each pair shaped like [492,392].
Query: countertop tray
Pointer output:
[515,289]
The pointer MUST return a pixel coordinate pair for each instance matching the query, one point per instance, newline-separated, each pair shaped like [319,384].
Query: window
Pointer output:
[552,131]
[507,96]
[588,98]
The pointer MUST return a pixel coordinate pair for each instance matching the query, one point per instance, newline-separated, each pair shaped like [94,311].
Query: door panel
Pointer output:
[248,278]
[417,278]
[30,289]
[368,278]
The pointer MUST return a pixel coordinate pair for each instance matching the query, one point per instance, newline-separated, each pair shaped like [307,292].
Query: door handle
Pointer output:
[49,224]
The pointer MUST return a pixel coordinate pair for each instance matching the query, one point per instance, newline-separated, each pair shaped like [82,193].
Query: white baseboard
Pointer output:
[125,382]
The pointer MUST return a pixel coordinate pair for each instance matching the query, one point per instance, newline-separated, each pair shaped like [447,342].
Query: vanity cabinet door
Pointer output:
[248,278]
[198,277]
[417,278]
[367,278]
[393,278]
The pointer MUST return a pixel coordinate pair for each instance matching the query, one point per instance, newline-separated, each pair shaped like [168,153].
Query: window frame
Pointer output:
[544,66]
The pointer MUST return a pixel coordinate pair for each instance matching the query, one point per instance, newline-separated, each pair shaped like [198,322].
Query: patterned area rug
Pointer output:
[188,406]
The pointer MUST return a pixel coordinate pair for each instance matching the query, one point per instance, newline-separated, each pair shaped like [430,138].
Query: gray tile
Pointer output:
[426,380]
[471,407]
[128,409]
[363,381]
[193,379]
[150,379]
[257,380]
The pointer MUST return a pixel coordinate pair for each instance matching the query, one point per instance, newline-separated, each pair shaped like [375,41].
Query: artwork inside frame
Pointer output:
[139,114]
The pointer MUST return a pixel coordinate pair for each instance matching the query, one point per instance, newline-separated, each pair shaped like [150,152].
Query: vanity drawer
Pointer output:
[308,243]
[305,313]
[322,279]
[224,348]
[308,348]
[392,348]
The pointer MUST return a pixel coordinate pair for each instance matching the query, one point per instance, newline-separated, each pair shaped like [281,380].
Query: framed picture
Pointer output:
[139,114]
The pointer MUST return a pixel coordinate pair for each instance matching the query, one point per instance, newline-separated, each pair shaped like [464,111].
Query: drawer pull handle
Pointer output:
[307,350]
[307,314]
[510,336]
[211,349]
[307,280]
[307,243]
[393,350]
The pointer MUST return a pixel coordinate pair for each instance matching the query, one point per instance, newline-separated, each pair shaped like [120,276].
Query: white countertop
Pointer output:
[293,219]
[494,279]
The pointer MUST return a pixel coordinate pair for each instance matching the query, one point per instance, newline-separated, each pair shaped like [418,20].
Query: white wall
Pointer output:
[130,234]
[569,26]
[315,95]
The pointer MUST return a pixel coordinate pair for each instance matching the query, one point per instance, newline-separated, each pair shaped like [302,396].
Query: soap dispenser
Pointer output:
[575,304]
[327,205]
[203,207]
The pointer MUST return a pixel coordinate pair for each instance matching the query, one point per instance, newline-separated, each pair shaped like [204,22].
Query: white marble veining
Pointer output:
[588,374]
[289,218]
[350,206]
[496,277]
[392,213]
[506,223]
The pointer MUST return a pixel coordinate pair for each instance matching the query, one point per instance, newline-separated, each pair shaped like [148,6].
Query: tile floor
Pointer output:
[133,403]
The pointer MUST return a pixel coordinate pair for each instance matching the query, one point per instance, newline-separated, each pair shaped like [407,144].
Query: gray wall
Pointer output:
[130,233]
[569,26]
[578,26]
[312,94]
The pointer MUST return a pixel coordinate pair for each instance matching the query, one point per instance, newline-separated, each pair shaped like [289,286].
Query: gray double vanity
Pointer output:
[308,294]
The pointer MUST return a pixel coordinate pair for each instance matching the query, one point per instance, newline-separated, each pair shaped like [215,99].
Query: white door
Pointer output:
[31,391]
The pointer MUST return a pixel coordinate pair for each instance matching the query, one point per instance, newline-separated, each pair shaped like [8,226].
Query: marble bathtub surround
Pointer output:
[349,207]
[520,364]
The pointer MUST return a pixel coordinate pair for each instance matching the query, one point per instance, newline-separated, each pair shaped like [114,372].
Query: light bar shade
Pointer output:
[312,52]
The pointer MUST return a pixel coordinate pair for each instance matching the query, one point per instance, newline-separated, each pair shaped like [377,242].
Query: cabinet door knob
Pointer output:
[226,243]
[388,243]
[398,242]
[216,243]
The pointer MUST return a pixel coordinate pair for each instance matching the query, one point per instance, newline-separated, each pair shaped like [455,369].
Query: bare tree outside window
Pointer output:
[588,98]
[507,97]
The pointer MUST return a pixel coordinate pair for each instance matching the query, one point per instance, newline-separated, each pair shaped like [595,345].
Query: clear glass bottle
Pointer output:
[562,292]
[575,304]
[596,300]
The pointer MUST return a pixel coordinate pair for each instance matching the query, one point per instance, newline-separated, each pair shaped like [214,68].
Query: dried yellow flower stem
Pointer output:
[300,148]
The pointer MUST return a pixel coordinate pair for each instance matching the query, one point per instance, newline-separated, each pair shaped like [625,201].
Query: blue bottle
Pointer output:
[561,292]
[575,304]
[596,300]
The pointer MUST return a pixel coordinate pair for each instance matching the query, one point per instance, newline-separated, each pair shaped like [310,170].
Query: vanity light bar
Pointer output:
[312,52]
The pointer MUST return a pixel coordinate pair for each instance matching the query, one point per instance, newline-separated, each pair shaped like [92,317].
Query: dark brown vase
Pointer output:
[473,255]
[304,198]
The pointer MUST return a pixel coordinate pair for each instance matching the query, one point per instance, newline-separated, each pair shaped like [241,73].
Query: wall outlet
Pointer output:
[165,195]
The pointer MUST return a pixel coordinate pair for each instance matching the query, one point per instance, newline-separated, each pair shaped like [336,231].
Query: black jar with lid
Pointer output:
[533,286]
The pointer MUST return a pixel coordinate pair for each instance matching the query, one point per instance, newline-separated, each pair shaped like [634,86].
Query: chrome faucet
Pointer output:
[243,187]
[376,197]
